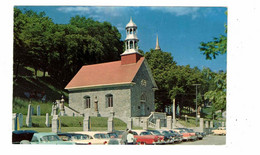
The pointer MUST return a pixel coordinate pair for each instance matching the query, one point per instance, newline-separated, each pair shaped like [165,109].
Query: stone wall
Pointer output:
[143,86]
[121,101]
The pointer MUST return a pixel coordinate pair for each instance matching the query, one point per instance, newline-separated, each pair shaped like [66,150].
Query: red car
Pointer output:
[145,138]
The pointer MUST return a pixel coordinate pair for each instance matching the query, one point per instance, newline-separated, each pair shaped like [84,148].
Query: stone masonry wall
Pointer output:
[121,101]
[144,87]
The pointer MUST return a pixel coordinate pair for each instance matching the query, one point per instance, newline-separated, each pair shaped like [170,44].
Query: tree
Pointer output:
[213,48]
[218,95]
[161,63]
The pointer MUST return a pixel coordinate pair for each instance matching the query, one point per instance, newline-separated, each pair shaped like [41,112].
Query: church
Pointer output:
[125,87]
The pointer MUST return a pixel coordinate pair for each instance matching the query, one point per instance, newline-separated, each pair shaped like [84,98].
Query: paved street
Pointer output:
[208,140]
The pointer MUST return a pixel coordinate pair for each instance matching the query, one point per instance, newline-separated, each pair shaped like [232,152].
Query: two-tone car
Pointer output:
[177,136]
[98,137]
[49,138]
[79,139]
[219,131]
[145,138]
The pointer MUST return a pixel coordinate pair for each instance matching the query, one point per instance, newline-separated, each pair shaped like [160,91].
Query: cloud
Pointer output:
[179,11]
[97,11]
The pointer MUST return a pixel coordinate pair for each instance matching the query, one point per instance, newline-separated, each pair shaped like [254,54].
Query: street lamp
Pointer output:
[196,102]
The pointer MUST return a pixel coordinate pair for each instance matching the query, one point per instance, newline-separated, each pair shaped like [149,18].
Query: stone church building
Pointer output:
[125,87]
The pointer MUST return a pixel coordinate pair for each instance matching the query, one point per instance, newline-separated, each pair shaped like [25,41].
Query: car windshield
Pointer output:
[80,137]
[134,133]
[50,138]
[101,136]
[112,135]
[145,133]
[157,133]
[166,133]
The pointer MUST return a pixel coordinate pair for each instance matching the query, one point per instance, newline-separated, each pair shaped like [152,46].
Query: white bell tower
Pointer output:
[131,54]
[131,40]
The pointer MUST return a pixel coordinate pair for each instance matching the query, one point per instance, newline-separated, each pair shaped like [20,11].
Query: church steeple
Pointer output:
[131,40]
[131,54]
[157,44]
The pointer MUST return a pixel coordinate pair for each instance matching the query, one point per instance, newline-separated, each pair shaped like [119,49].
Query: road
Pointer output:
[208,140]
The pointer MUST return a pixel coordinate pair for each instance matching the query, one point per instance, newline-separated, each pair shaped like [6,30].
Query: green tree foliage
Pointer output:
[62,49]
[173,81]
[216,47]
[218,95]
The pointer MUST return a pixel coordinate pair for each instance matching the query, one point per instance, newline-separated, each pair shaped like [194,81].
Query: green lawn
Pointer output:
[71,124]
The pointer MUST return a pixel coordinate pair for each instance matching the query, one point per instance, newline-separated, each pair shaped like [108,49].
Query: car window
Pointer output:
[50,138]
[134,133]
[145,133]
[97,136]
[34,139]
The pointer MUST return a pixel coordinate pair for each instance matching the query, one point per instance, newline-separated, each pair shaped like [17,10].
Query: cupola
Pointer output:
[131,54]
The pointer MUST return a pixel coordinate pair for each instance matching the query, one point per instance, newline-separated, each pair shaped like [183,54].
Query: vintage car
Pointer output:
[22,136]
[162,138]
[219,131]
[115,141]
[97,137]
[170,137]
[177,136]
[49,138]
[79,139]
[190,132]
[185,136]
[145,138]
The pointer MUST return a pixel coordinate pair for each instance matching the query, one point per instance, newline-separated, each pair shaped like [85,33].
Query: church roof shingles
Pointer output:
[102,74]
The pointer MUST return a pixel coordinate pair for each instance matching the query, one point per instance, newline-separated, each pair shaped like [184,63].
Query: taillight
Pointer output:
[89,143]
[105,142]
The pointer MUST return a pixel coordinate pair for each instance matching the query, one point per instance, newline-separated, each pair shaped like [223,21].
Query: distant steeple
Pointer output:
[157,44]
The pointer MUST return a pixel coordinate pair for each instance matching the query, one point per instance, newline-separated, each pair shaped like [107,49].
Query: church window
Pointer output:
[131,31]
[109,100]
[86,102]
[143,98]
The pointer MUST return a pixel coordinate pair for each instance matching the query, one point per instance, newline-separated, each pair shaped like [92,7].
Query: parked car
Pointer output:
[22,136]
[199,135]
[219,131]
[79,139]
[98,137]
[49,138]
[119,133]
[185,135]
[170,137]
[190,132]
[177,136]
[115,141]
[143,137]
[163,138]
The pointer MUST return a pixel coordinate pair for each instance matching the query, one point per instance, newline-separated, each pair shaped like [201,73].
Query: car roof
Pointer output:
[24,131]
[44,134]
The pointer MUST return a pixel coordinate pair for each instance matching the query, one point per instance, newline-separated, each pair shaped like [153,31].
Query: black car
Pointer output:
[22,136]
[155,132]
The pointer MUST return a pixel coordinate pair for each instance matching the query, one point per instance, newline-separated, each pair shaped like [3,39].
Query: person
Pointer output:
[130,138]
[124,136]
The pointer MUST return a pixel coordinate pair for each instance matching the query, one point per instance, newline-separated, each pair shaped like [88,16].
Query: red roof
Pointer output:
[110,73]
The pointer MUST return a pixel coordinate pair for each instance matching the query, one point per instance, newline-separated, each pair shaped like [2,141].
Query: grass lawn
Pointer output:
[71,124]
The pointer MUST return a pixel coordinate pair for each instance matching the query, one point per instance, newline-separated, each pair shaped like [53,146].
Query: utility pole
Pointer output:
[196,102]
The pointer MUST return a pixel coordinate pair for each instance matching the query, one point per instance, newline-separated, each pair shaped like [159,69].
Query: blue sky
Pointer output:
[180,29]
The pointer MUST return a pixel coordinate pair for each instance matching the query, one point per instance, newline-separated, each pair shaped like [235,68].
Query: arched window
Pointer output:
[86,103]
[143,98]
[131,44]
[131,31]
[109,100]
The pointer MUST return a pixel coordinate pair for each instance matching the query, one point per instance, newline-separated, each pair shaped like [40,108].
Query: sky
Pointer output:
[180,29]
